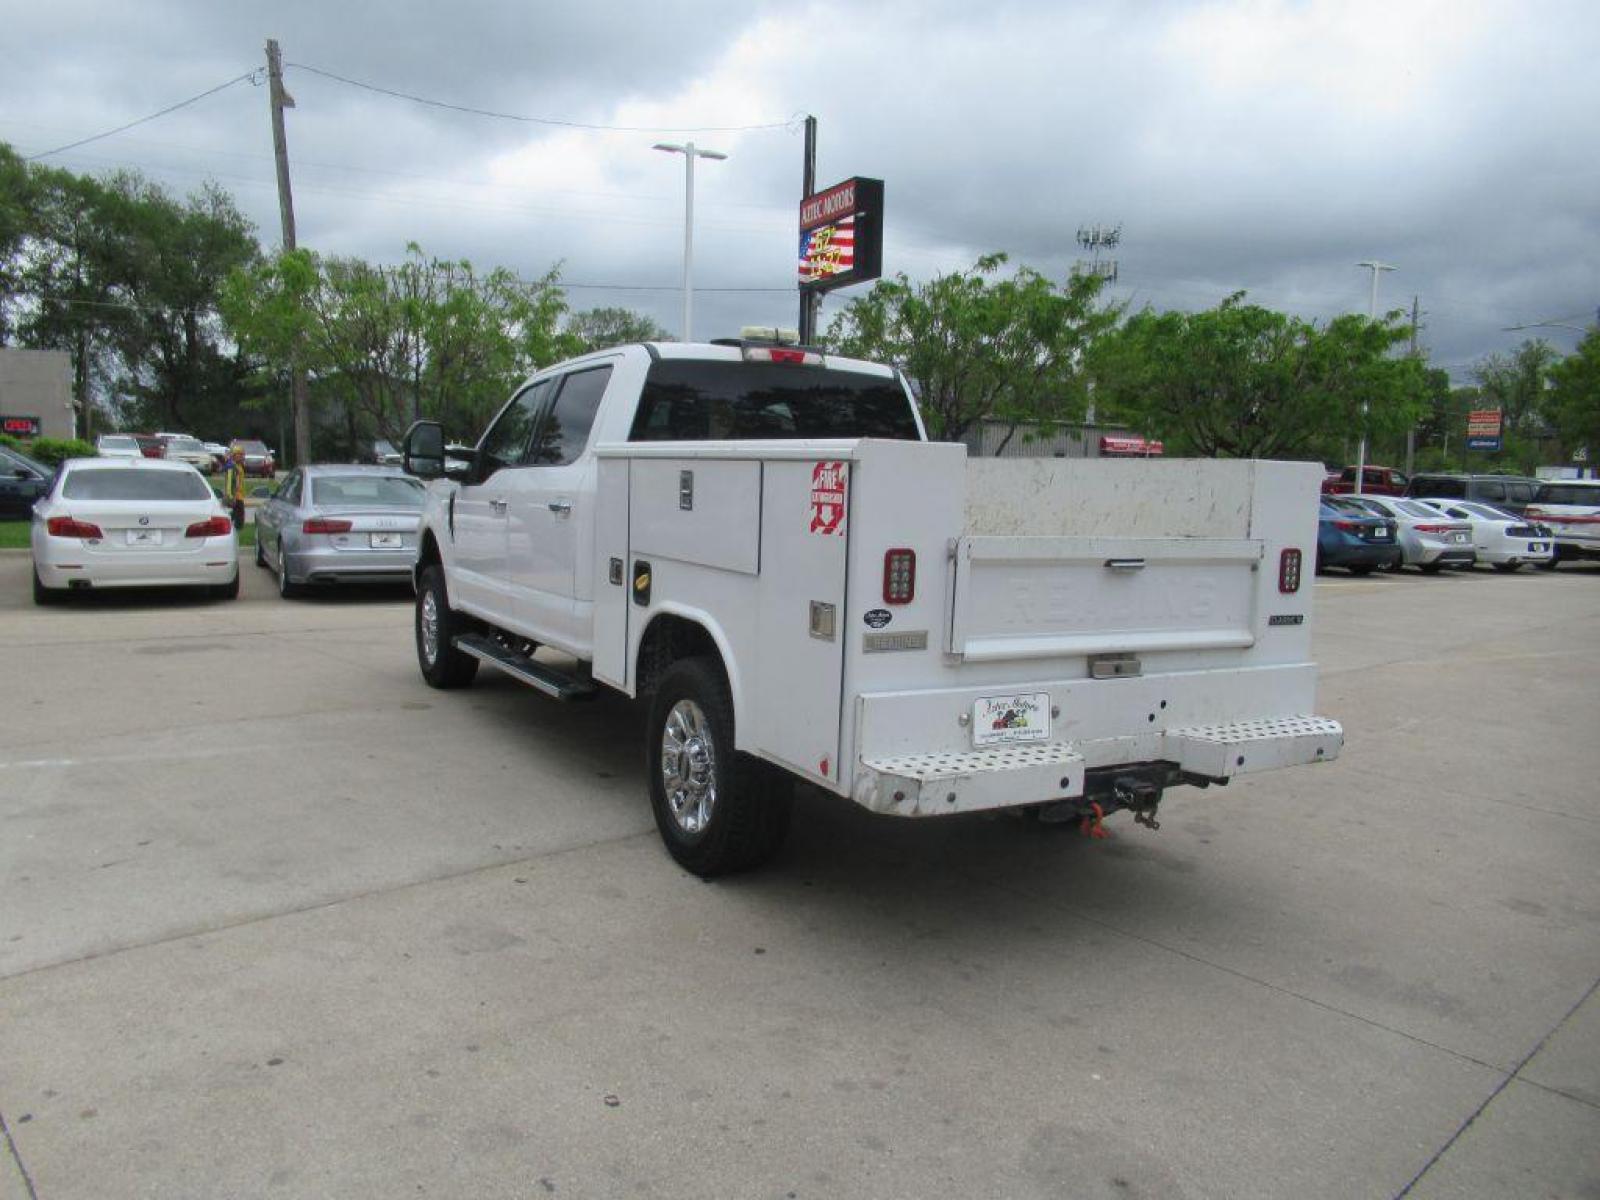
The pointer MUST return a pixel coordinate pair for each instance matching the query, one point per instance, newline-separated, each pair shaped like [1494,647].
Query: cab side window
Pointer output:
[565,431]
[1492,490]
[506,441]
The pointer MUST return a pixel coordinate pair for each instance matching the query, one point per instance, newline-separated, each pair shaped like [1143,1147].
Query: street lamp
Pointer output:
[690,152]
[1372,311]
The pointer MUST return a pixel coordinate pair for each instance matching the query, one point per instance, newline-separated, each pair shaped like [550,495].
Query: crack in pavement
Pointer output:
[16,1157]
[1514,1073]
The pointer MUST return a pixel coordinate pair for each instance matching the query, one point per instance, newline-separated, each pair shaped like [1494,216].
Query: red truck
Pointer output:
[1375,481]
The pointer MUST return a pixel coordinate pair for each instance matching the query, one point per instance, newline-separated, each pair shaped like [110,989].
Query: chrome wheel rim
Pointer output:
[689,766]
[430,627]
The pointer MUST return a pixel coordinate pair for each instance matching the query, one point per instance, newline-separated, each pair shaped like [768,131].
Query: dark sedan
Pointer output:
[22,481]
[1354,540]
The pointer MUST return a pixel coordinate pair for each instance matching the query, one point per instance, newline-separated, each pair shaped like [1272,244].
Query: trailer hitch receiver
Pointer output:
[1140,797]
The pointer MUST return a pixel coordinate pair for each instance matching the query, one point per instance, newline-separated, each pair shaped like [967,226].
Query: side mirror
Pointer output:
[423,450]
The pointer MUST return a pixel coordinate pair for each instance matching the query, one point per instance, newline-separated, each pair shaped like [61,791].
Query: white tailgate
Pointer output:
[1022,597]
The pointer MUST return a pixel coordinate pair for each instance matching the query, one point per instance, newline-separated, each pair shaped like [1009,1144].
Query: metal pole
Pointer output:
[688,237]
[299,392]
[809,298]
[1411,432]
[1372,312]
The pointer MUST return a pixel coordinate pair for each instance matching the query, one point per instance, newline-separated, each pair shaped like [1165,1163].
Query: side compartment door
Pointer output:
[799,676]
[551,522]
[478,525]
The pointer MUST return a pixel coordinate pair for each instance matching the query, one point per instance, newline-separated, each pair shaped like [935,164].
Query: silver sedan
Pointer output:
[340,524]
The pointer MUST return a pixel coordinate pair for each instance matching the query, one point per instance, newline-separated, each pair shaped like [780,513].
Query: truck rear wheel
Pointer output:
[443,666]
[718,811]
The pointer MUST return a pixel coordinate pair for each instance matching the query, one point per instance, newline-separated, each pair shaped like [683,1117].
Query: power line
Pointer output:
[171,108]
[502,116]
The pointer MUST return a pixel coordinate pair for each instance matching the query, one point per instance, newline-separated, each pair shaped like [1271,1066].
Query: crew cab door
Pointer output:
[479,579]
[551,520]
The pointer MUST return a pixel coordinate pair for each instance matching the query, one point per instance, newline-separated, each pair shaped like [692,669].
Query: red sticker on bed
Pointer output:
[830,481]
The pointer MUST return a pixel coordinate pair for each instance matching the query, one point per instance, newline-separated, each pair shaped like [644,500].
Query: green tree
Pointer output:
[597,328]
[1574,398]
[388,344]
[978,345]
[1241,381]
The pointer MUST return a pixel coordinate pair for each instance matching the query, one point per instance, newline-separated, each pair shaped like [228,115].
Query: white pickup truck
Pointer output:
[760,539]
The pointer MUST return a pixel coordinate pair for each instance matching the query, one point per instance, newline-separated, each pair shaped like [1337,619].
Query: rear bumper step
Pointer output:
[920,785]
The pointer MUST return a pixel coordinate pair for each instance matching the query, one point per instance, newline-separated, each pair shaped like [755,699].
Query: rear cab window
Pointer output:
[698,400]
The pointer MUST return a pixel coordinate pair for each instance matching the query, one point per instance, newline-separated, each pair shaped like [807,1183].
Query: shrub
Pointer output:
[51,451]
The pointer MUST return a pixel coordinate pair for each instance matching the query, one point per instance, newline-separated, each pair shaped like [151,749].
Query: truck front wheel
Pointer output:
[443,666]
[718,811]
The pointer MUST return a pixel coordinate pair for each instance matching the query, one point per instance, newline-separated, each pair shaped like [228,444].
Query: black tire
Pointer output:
[1550,564]
[287,589]
[227,591]
[261,554]
[449,667]
[1506,568]
[1432,568]
[1360,569]
[751,805]
[46,596]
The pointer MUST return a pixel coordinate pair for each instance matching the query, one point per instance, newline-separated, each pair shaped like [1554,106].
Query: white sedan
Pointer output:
[1502,539]
[131,522]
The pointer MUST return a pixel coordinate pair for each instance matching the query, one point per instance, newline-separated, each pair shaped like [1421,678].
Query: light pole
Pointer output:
[1372,311]
[690,152]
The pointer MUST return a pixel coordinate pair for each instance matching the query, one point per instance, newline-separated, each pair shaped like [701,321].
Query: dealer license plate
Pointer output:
[1000,719]
[386,541]
[1459,539]
[144,537]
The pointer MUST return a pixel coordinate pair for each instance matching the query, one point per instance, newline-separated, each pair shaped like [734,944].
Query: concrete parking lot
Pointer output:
[276,919]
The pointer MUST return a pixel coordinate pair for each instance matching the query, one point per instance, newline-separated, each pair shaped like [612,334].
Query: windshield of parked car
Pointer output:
[186,446]
[252,447]
[695,400]
[118,443]
[385,491]
[1568,493]
[99,483]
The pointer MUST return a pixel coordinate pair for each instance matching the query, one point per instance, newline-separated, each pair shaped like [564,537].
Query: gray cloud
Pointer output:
[1266,146]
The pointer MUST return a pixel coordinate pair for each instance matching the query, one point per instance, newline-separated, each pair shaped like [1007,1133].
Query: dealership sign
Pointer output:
[841,235]
[27,427]
[1113,445]
[1483,429]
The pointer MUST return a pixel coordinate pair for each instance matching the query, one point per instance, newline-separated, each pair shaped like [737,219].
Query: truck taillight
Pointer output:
[214,527]
[325,525]
[899,576]
[1289,571]
[792,356]
[69,527]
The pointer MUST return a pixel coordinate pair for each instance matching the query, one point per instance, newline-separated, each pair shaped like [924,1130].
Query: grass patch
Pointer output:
[16,535]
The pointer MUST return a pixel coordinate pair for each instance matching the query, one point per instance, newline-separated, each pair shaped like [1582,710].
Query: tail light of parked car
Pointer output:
[1347,526]
[69,527]
[211,527]
[899,576]
[325,525]
[1289,571]
[1443,528]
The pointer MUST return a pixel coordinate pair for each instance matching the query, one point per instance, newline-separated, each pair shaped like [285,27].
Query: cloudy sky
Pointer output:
[1263,145]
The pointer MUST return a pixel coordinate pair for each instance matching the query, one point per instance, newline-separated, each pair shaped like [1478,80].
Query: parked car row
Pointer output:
[1356,533]
[1513,492]
[125,521]
[181,447]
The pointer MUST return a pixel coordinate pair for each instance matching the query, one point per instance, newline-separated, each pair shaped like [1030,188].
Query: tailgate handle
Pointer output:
[1125,564]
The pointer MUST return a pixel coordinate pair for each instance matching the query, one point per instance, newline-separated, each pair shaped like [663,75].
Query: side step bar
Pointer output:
[519,666]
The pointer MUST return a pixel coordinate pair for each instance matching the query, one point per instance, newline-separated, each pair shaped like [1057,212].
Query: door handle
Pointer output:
[499,507]
[1125,564]
[561,508]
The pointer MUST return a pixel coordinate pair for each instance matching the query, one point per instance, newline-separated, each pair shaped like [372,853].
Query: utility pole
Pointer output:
[1411,433]
[299,393]
[1361,451]
[810,298]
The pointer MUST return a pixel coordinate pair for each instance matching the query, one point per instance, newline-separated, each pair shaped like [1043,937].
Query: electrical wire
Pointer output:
[502,116]
[171,108]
